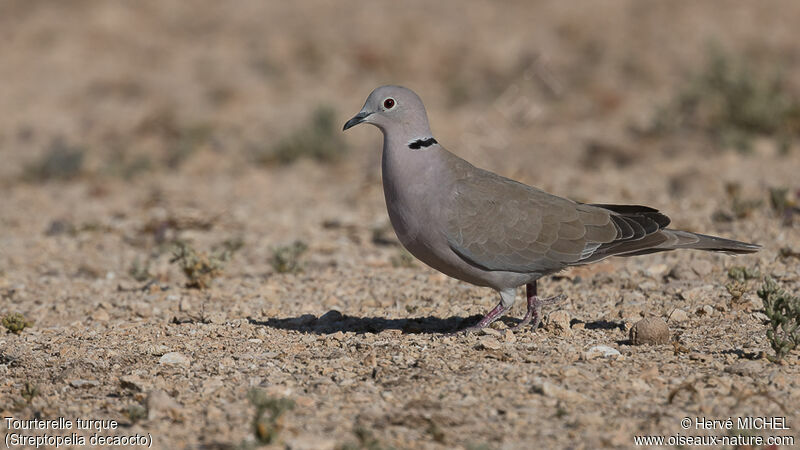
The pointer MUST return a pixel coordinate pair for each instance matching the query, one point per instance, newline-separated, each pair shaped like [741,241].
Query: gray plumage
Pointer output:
[488,230]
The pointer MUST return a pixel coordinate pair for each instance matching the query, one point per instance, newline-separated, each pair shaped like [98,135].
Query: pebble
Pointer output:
[160,405]
[84,383]
[558,322]
[650,331]
[490,343]
[706,310]
[100,315]
[753,369]
[549,389]
[656,271]
[702,267]
[678,316]
[601,351]
[175,358]
[697,294]
[132,382]
[489,332]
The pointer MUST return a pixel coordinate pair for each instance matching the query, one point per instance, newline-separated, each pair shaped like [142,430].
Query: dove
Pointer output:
[488,230]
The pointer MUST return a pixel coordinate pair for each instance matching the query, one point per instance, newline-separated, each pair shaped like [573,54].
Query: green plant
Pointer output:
[29,391]
[16,322]
[742,274]
[267,427]
[319,139]
[286,259]
[136,412]
[783,311]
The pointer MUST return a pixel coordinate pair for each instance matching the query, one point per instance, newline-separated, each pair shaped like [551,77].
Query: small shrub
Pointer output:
[742,274]
[319,139]
[29,392]
[733,102]
[783,311]
[140,271]
[200,267]
[286,259]
[16,322]
[60,162]
[267,427]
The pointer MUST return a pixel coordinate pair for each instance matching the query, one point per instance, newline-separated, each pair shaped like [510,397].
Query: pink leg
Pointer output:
[493,315]
[534,312]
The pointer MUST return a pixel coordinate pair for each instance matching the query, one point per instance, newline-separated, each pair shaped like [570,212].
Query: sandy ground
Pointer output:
[171,104]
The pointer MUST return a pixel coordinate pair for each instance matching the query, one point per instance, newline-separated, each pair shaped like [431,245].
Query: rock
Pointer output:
[682,272]
[702,267]
[310,443]
[132,383]
[558,322]
[489,332]
[650,331]
[549,389]
[698,294]
[752,369]
[84,383]
[489,343]
[706,310]
[160,405]
[601,351]
[101,315]
[678,315]
[175,359]
[158,350]
[656,271]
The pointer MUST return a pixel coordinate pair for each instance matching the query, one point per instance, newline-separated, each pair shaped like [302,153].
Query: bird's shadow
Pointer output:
[333,322]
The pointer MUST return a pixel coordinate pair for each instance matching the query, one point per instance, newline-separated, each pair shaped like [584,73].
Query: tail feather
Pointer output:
[677,239]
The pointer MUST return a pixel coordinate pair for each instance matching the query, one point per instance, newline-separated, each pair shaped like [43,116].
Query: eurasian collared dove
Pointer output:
[482,228]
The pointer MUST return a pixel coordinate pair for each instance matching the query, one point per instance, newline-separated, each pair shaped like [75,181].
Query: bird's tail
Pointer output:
[677,239]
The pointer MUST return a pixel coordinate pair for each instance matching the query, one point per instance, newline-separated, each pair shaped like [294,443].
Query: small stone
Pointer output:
[650,331]
[508,336]
[678,315]
[175,359]
[601,351]
[185,304]
[489,332]
[549,389]
[558,322]
[752,369]
[490,343]
[158,350]
[702,267]
[160,405]
[698,294]
[216,317]
[681,272]
[132,383]
[706,310]
[101,315]
[696,356]
[656,271]
[83,383]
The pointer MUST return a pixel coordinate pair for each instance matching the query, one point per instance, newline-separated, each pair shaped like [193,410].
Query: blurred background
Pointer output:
[143,143]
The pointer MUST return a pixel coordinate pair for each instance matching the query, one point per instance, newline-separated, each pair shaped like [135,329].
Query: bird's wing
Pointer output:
[499,224]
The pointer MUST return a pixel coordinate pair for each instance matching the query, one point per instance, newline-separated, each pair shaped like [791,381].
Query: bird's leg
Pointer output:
[507,298]
[534,312]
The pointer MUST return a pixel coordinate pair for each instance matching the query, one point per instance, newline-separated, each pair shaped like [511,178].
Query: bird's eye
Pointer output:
[388,103]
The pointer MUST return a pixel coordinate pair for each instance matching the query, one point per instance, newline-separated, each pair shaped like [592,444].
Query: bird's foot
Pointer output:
[490,317]
[534,312]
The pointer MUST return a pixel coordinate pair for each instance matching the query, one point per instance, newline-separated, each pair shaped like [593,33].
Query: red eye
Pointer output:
[388,103]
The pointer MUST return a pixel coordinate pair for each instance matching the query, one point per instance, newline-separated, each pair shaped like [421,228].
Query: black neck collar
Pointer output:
[421,143]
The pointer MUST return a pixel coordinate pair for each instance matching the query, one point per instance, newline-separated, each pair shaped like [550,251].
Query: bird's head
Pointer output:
[394,109]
